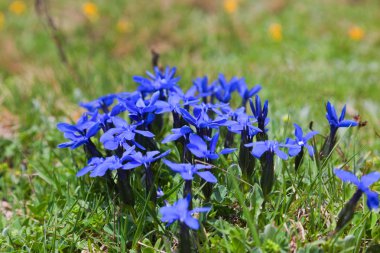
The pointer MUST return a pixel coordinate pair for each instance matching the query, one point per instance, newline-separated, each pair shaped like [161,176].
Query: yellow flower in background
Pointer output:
[2,19]
[286,118]
[356,33]
[90,10]
[124,26]
[17,7]
[230,6]
[275,32]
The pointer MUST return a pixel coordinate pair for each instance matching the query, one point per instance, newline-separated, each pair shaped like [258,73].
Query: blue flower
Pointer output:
[224,91]
[173,104]
[202,119]
[158,81]
[101,103]
[336,123]
[204,90]
[179,211]
[300,141]
[121,133]
[138,159]
[188,170]
[246,93]
[98,166]
[78,134]
[363,185]
[244,123]
[177,133]
[260,113]
[273,147]
[198,147]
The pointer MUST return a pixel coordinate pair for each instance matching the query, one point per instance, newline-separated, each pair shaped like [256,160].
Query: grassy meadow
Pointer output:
[55,54]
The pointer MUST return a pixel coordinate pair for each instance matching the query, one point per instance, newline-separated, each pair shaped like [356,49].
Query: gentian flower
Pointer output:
[244,126]
[224,91]
[124,99]
[363,185]
[188,170]
[273,147]
[265,150]
[202,120]
[77,134]
[158,81]
[297,145]
[346,214]
[177,133]
[300,141]
[335,124]
[121,133]
[98,166]
[198,147]
[246,93]
[138,159]
[179,211]
[102,102]
[204,90]
[261,116]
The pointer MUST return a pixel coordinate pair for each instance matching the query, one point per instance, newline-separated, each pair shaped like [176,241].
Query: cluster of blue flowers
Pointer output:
[199,117]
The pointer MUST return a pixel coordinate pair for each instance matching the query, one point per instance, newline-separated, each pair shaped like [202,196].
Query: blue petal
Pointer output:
[372,200]
[207,176]
[280,153]
[213,142]
[171,137]
[310,149]
[192,222]
[227,151]
[347,123]
[198,142]
[370,179]
[346,176]
[298,132]
[259,149]
[343,113]
[145,133]
[294,150]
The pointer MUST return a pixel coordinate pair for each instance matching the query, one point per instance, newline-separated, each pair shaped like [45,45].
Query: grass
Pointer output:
[46,208]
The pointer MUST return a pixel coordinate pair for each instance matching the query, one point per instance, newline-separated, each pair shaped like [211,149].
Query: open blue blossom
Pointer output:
[226,88]
[244,123]
[121,133]
[177,133]
[179,211]
[260,113]
[188,170]
[336,122]
[98,166]
[300,141]
[203,89]
[246,93]
[77,134]
[198,147]
[273,147]
[100,103]
[158,81]
[138,159]
[203,120]
[173,104]
[363,185]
